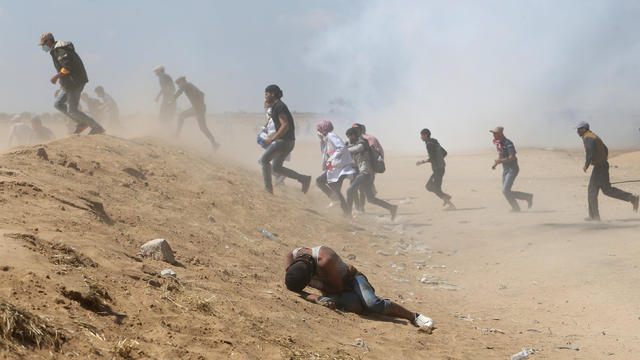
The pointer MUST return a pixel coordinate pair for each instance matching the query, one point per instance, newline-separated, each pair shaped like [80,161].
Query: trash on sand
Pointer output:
[168,272]
[568,348]
[269,235]
[380,252]
[360,343]
[524,354]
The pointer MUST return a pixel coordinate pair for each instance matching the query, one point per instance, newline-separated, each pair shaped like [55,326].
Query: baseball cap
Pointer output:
[582,124]
[45,37]
[497,129]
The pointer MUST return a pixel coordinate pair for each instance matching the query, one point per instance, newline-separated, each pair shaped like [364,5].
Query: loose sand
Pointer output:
[497,281]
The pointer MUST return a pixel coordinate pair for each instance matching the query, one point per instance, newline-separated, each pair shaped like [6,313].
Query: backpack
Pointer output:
[377,162]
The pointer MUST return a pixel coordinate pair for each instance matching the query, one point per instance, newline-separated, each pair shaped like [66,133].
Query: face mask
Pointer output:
[46,48]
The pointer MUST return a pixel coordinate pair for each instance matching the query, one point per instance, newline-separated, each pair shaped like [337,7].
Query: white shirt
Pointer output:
[335,152]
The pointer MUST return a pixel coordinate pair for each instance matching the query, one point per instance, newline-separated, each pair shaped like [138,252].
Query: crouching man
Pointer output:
[342,285]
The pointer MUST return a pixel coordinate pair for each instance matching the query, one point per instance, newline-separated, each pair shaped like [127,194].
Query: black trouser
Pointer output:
[364,181]
[600,180]
[435,184]
[199,112]
[332,190]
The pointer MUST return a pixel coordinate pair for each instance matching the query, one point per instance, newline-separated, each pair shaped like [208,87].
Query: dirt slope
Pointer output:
[72,225]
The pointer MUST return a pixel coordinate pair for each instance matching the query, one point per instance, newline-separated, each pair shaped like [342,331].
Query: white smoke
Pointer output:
[462,67]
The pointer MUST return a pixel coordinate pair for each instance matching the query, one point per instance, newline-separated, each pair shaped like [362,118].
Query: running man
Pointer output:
[359,149]
[342,285]
[108,104]
[436,157]
[336,163]
[507,157]
[597,155]
[167,89]
[198,109]
[281,143]
[73,76]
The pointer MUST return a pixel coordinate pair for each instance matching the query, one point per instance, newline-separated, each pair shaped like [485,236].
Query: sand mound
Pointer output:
[75,212]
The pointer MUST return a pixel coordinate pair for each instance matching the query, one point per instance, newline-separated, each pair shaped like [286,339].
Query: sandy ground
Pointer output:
[497,281]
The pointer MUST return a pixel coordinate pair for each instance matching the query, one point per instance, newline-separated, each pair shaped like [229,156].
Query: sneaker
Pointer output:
[635,200]
[423,323]
[446,200]
[530,202]
[305,184]
[97,131]
[394,212]
[80,128]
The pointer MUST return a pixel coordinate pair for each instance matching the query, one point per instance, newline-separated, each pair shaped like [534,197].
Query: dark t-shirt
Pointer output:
[195,96]
[505,149]
[436,154]
[280,108]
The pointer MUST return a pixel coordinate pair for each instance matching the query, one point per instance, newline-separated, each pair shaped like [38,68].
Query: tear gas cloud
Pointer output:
[456,67]
[462,67]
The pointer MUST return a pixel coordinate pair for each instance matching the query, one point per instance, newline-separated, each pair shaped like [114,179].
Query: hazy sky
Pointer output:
[457,67]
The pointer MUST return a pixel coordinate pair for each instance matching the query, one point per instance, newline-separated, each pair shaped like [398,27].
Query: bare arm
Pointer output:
[284,127]
[510,158]
[158,96]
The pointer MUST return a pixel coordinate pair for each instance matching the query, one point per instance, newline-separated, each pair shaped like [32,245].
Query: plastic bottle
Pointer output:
[268,235]
[524,354]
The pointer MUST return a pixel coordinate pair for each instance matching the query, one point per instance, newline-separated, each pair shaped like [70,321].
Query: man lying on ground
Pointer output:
[342,285]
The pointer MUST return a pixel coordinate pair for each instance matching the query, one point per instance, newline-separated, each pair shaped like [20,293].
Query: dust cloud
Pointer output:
[463,67]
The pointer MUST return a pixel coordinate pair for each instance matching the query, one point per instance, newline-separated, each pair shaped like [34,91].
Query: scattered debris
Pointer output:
[360,344]
[524,354]
[562,347]
[380,252]
[18,326]
[351,257]
[269,235]
[124,348]
[211,219]
[158,249]
[493,330]
[168,272]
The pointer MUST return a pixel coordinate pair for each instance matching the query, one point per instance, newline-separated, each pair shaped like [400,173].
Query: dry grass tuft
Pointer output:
[124,348]
[199,303]
[21,327]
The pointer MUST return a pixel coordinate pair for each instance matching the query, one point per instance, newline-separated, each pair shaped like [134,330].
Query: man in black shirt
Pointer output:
[198,108]
[280,144]
[436,158]
[72,75]
[167,89]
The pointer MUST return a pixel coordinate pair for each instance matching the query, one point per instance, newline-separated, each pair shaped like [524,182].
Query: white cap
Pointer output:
[158,68]
[583,124]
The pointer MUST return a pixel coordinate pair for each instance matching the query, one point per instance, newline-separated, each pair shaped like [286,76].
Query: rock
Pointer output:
[158,249]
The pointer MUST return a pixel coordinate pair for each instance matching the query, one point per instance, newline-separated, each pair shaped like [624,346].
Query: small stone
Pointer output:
[158,249]
[212,219]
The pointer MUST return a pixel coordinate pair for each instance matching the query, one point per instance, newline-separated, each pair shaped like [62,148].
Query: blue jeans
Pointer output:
[274,156]
[363,298]
[67,102]
[508,177]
